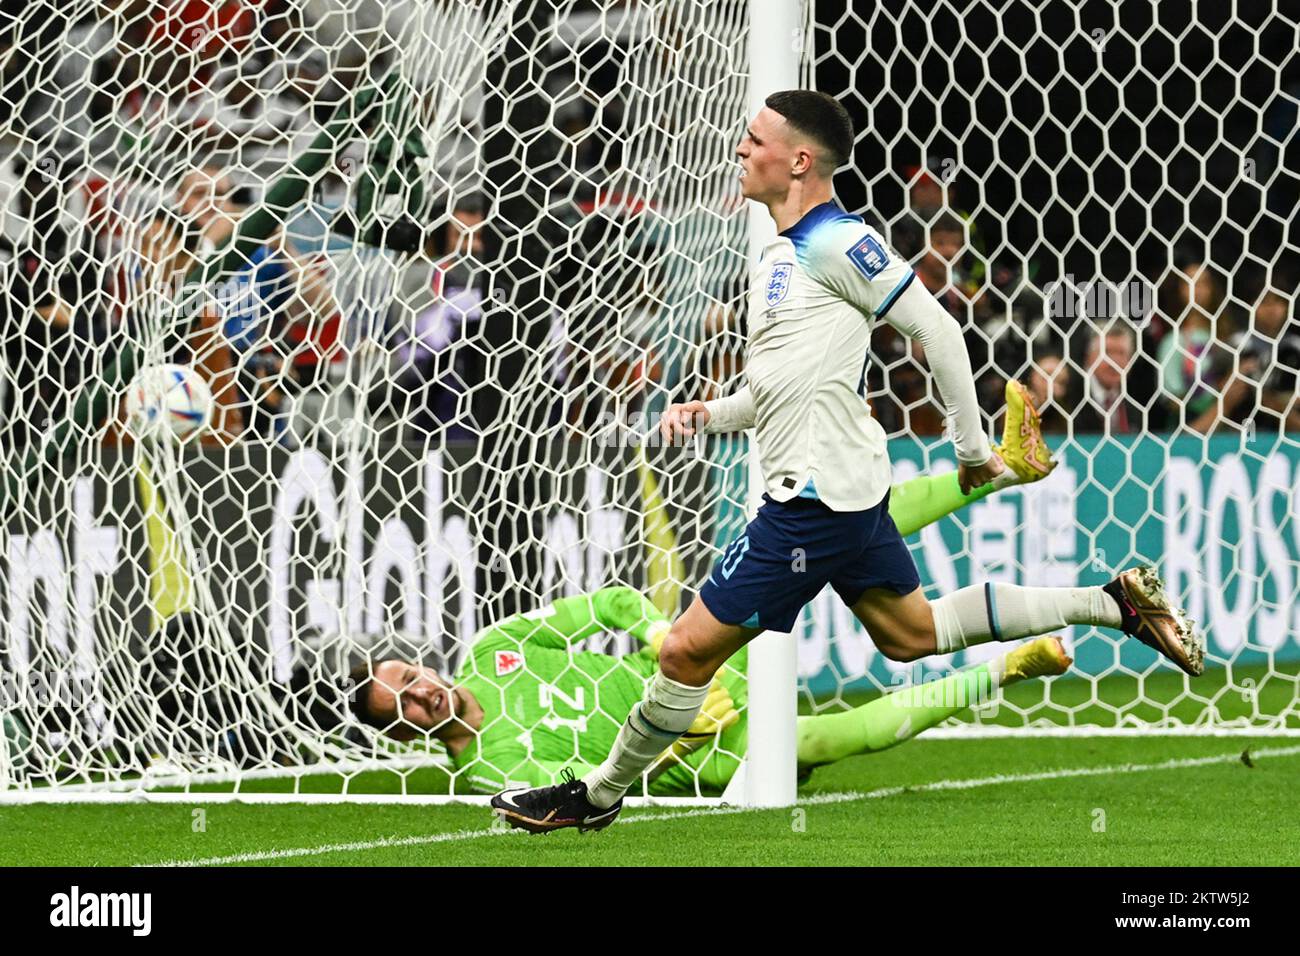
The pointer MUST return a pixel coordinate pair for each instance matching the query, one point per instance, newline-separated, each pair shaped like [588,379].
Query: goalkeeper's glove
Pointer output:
[655,635]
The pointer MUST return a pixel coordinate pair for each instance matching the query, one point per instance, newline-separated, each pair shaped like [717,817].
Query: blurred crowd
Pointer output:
[136,135]
[1191,347]
[1183,350]
[287,332]
[271,337]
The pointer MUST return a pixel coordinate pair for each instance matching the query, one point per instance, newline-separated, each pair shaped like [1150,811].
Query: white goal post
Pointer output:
[441,262]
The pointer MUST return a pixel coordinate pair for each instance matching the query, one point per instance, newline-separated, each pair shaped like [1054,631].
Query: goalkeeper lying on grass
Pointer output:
[525,705]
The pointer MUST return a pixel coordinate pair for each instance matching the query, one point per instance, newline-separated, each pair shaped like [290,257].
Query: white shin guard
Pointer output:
[664,714]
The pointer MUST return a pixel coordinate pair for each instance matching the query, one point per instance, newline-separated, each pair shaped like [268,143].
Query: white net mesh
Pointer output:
[433,258]
[1103,195]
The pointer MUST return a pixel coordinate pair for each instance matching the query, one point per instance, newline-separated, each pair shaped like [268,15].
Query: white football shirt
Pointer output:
[812,299]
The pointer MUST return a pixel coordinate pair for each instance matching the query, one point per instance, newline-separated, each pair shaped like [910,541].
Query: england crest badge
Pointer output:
[778,283]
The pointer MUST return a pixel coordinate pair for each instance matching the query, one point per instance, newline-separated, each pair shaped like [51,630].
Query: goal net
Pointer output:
[442,265]
[1103,195]
[438,264]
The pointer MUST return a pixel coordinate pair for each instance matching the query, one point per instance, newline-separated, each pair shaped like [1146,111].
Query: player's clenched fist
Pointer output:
[970,477]
[682,421]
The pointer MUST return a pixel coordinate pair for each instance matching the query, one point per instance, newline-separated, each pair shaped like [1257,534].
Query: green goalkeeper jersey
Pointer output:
[548,705]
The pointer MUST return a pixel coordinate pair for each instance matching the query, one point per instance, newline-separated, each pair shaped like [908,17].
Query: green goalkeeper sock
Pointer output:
[894,718]
[927,498]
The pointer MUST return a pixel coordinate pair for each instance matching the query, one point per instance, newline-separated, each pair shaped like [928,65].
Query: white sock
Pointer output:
[664,714]
[1008,612]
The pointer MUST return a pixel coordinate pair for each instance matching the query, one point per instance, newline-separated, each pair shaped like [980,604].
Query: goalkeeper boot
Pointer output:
[1044,657]
[1147,614]
[1023,449]
[554,808]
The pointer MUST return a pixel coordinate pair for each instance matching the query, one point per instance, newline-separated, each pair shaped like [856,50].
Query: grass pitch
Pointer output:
[1043,801]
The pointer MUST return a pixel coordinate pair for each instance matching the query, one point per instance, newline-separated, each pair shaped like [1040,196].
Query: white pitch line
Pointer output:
[820,799]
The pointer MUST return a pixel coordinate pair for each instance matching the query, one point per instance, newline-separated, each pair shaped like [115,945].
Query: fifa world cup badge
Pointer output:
[869,257]
[778,283]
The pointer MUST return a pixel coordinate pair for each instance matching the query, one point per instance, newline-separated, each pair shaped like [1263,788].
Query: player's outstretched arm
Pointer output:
[576,618]
[627,609]
[894,718]
[917,315]
[926,498]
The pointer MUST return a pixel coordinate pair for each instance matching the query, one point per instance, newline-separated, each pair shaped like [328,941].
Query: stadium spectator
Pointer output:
[438,364]
[1200,382]
[997,351]
[719,359]
[159,250]
[206,198]
[312,333]
[164,254]
[940,267]
[1049,384]
[714,365]
[51,333]
[1270,356]
[629,367]
[1108,406]
[300,342]
[896,380]
[901,401]
[272,310]
[933,191]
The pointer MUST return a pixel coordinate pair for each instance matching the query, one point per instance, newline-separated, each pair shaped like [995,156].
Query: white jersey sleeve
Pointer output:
[918,316]
[854,261]
[732,413]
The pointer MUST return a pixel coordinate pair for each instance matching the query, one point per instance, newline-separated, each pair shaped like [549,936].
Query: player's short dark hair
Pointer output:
[1116,328]
[360,680]
[820,117]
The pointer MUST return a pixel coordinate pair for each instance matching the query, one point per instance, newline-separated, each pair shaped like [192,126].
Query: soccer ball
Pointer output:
[168,401]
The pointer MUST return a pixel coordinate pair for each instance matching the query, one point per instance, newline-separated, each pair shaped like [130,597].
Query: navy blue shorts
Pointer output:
[792,549]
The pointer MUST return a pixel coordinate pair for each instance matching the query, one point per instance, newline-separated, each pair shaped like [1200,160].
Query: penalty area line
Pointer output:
[455,836]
